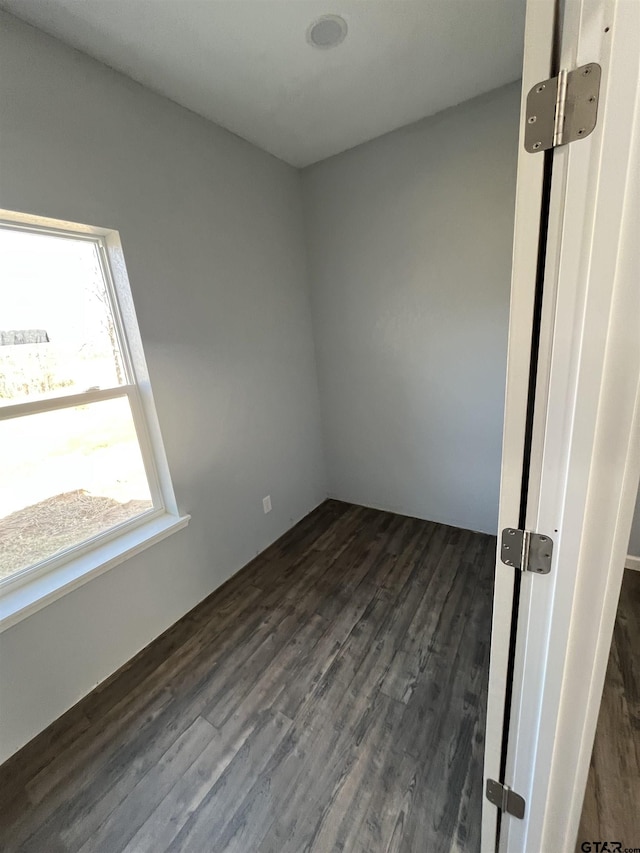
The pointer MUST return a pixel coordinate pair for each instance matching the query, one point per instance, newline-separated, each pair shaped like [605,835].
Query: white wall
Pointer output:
[634,542]
[211,229]
[410,255]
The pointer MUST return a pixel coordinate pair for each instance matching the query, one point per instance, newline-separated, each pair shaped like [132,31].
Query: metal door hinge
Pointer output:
[505,799]
[530,552]
[563,108]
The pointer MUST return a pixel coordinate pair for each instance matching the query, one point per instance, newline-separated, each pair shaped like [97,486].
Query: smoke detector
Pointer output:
[328,31]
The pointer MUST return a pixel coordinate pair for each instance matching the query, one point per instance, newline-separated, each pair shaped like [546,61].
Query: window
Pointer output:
[80,461]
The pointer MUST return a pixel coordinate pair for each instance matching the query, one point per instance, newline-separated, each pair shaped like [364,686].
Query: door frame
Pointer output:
[539,37]
[585,464]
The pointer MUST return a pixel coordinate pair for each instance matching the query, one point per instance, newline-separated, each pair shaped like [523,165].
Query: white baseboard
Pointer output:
[632,563]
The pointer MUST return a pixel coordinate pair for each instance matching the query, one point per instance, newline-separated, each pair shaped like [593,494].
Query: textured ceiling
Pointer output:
[246,64]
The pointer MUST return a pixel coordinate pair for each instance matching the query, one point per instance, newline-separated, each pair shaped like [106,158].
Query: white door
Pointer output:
[571,454]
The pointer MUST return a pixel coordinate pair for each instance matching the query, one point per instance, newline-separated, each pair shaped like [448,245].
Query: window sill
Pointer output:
[18,603]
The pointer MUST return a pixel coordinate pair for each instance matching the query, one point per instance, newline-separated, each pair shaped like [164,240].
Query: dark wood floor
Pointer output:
[612,802]
[330,697]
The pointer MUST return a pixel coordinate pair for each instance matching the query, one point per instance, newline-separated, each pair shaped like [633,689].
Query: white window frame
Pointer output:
[35,586]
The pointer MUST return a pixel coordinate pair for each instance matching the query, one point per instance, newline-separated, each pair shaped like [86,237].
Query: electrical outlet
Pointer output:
[266,503]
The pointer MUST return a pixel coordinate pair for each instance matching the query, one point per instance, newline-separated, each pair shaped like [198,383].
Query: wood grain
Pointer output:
[611,808]
[330,697]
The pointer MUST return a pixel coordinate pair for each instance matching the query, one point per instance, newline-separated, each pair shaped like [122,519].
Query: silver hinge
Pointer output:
[530,552]
[563,108]
[505,799]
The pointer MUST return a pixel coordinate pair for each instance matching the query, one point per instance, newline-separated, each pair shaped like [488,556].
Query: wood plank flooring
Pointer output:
[329,697]
[611,808]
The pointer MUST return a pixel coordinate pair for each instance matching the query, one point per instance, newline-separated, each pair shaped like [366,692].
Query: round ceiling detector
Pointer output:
[328,31]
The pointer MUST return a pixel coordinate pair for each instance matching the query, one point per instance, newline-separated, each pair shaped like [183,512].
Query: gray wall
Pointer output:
[410,253]
[409,242]
[634,542]
[211,229]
